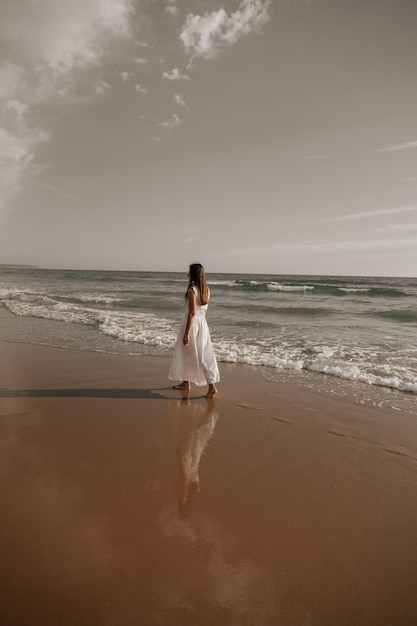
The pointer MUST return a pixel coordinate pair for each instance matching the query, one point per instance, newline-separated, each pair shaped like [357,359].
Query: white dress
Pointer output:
[196,361]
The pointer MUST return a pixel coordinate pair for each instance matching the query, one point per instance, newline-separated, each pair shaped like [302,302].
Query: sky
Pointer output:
[253,136]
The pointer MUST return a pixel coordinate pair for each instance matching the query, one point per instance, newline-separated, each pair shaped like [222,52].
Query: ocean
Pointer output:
[358,329]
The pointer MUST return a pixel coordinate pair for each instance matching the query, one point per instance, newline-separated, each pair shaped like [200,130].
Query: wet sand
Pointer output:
[125,504]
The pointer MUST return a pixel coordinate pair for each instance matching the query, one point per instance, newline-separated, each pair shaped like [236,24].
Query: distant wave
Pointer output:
[279,287]
[223,283]
[314,288]
[260,285]
[399,315]
[355,289]
[279,310]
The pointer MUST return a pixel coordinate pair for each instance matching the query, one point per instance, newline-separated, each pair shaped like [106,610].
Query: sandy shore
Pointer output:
[124,504]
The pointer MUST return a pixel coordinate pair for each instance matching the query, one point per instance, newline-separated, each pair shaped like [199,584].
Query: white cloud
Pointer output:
[366,214]
[359,246]
[41,183]
[125,76]
[175,74]
[317,157]
[16,154]
[180,100]
[11,77]
[401,146]
[101,87]
[15,107]
[409,226]
[406,226]
[205,35]
[140,89]
[61,36]
[47,43]
[172,8]
[349,246]
[172,123]
[140,60]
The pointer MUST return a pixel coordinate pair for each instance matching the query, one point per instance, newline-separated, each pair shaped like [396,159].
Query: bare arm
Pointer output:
[191,313]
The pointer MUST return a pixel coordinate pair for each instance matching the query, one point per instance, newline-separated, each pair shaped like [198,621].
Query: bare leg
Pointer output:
[182,386]
[212,391]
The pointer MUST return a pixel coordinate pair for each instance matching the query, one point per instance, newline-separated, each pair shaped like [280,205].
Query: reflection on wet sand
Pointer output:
[193,425]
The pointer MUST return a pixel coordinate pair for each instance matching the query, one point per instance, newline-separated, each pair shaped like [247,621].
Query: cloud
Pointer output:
[62,36]
[140,60]
[172,123]
[140,89]
[366,214]
[406,226]
[180,100]
[349,246]
[40,183]
[15,157]
[323,247]
[408,145]
[16,108]
[205,35]
[125,76]
[48,43]
[317,157]
[172,8]
[101,87]
[175,74]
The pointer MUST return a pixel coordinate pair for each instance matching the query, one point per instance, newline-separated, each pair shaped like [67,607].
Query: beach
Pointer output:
[124,503]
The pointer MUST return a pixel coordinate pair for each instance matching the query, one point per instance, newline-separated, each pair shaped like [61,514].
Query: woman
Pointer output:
[194,360]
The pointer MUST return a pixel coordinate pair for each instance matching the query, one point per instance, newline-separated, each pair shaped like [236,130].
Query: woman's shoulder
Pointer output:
[192,291]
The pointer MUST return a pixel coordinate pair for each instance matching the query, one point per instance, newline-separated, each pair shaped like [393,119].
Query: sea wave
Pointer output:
[399,315]
[342,363]
[381,365]
[100,299]
[336,289]
[126,326]
[279,287]
[222,283]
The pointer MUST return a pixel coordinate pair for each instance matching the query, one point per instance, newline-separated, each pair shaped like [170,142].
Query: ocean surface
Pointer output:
[347,328]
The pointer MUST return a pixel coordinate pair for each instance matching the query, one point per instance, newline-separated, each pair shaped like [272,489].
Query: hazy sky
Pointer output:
[252,136]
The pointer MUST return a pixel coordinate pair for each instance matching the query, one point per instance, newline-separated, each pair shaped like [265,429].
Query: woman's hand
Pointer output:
[186,340]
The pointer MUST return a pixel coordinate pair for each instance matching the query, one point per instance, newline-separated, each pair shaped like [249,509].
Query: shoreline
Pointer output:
[16,329]
[124,504]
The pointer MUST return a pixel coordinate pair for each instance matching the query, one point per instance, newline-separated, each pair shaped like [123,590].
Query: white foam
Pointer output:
[60,311]
[369,365]
[352,289]
[145,329]
[279,287]
[223,283]
[335,361]
[100,299]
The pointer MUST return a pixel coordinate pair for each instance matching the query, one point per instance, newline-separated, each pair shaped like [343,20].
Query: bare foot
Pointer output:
[212,391]
[185,386]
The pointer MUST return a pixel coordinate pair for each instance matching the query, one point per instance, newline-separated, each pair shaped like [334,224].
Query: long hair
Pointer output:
[198,279]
